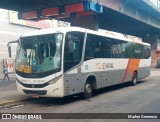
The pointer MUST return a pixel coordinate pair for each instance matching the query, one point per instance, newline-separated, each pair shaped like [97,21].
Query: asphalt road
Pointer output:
[8,90]
[142,98]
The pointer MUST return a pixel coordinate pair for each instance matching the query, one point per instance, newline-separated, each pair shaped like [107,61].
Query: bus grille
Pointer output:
[42,92]
[34,85]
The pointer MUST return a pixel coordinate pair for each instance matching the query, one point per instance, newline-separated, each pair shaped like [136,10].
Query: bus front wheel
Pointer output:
[134,79]
[88,90]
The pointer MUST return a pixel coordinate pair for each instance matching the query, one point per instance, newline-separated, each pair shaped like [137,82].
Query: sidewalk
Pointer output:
[9,93]
[155,72]
[8,90]
[11,76]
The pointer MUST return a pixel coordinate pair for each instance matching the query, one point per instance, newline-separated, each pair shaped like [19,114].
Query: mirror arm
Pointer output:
[9,47]
[16,41]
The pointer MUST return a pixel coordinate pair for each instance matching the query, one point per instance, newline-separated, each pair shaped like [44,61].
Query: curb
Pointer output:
[12,101]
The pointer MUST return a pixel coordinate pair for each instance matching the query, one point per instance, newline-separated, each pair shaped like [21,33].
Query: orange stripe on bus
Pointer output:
[125,73]
[133,64]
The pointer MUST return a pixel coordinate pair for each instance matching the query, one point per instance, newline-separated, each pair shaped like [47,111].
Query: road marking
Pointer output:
[17,106]
[12,101]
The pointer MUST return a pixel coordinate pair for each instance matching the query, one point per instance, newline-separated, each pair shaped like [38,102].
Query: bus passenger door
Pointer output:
[72,58]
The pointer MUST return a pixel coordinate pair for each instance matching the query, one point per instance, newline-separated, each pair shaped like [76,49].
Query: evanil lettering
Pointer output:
[104,65]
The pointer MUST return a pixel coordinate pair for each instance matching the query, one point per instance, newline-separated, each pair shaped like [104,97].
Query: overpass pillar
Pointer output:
[154,40]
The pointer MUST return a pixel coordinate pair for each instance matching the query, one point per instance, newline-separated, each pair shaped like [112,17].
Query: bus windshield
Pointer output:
[39,54]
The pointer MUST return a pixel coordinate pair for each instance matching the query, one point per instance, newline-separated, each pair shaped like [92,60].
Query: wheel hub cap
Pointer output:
[88,88]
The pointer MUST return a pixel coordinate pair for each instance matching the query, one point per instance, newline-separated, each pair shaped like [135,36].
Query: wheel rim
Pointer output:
[88,88]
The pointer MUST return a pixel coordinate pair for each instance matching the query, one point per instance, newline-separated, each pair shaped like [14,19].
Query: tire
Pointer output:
[134,79]
[88,90]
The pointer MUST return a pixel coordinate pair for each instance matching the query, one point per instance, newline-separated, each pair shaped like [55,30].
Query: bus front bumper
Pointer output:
[52,90]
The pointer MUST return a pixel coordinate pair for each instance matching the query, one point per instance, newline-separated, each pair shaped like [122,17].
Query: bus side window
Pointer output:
[97,52]
[89,53]
[73,49]
[52,49]
[106,50]
[97,47]
[69,50]
[93,47]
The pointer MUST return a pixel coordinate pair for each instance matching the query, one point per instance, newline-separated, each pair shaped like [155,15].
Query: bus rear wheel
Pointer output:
[134,79]
[88,90]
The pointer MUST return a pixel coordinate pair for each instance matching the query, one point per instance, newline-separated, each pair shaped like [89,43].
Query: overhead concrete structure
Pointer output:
[27,5]
[134,17]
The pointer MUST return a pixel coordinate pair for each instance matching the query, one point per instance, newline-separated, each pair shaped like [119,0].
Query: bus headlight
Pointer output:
[18,81]
[54,80]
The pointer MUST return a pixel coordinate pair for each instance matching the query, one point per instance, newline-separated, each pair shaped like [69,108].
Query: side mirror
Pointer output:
[9,51]
[9,47]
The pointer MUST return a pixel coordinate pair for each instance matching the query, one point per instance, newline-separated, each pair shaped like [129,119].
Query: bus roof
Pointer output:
[53,30]
[68,29]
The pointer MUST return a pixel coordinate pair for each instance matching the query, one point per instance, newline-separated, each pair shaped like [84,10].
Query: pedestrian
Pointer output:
[5,71]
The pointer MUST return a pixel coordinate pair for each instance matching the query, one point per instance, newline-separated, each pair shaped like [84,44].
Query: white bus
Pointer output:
[69,60]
